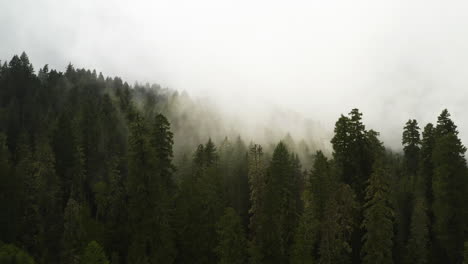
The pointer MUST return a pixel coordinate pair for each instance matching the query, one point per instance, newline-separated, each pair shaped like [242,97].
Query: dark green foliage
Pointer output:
[10,254]
[306,235]
[74,232]
[149,191]
[279,209]
[465,253]
[405,186]
[232,243]
[378,218]
[199,205]
[9,204]
[353,151]
[411,146]
[93,254]
[321,184]
[417,248]
[337,226]
[449,185]
[257,182]
[85,157]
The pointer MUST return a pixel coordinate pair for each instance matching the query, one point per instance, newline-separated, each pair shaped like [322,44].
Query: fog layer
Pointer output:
[394,60]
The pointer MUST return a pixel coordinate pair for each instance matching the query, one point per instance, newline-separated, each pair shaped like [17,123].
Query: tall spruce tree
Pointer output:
[417,247]
[338,225]
[449,186]
[378,218]
[93,254]
[256,174]
[232,243]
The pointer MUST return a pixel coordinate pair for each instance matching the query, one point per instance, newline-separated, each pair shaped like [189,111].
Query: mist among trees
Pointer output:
[94,170]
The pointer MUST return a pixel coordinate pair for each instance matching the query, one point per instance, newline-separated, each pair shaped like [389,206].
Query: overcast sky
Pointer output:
[394,60]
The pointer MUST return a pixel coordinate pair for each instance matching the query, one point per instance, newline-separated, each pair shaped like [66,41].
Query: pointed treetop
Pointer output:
[445,125]
[411,135]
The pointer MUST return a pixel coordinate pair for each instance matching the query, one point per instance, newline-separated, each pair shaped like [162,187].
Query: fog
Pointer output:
[394,60]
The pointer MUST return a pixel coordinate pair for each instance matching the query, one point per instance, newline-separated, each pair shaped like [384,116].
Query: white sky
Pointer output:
[394,60]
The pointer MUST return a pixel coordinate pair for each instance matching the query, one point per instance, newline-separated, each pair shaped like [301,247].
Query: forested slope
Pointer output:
[93,170]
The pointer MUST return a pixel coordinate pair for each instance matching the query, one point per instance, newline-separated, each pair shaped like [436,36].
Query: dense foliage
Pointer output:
[89,174]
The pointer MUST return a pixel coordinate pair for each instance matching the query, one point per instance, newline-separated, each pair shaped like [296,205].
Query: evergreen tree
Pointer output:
[337,226]
[449,185]
[199,204]
[353,151]
[321,183]
[257,183]
[404,188]
[149,184]
[465,254]
[378,218]
[74,232]
[93,254]
[411,146]
[417,247]
[9,207]
[306,236]
[232,243]
[277,228]
[11,254]
[49,202]
[426,172]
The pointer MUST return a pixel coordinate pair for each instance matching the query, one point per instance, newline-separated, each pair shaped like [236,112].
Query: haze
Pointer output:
[394,60]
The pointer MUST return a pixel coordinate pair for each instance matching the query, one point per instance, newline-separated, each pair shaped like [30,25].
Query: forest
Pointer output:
[94,170]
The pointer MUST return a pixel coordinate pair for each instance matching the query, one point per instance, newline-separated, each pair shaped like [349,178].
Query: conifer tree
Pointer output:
[150,176]
[49,202]
[321,183]
[337,226]
[378,218]
[93,254]
[74,232]
[257,183]
[426,169]
[277,233]
[449,186]
[306,235]
[232,243]
[9,208]
[417,248]
[12,254]
[411,146]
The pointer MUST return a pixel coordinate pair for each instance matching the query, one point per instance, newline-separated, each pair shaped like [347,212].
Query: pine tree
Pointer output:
[9,213]
[320,183]
[411,146]
[337,226]
[199,205]
[149,185]
[232,243]
[353,151]
[404,186]
[11,254]
[257,183]
[74,232]
[306,235]
[426,169]
[275,238]
[211,157]
[465,253]
[417,247]
[49,202]
[162,141]
[378,218]
[24,173]
[93,254]
[449,185]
